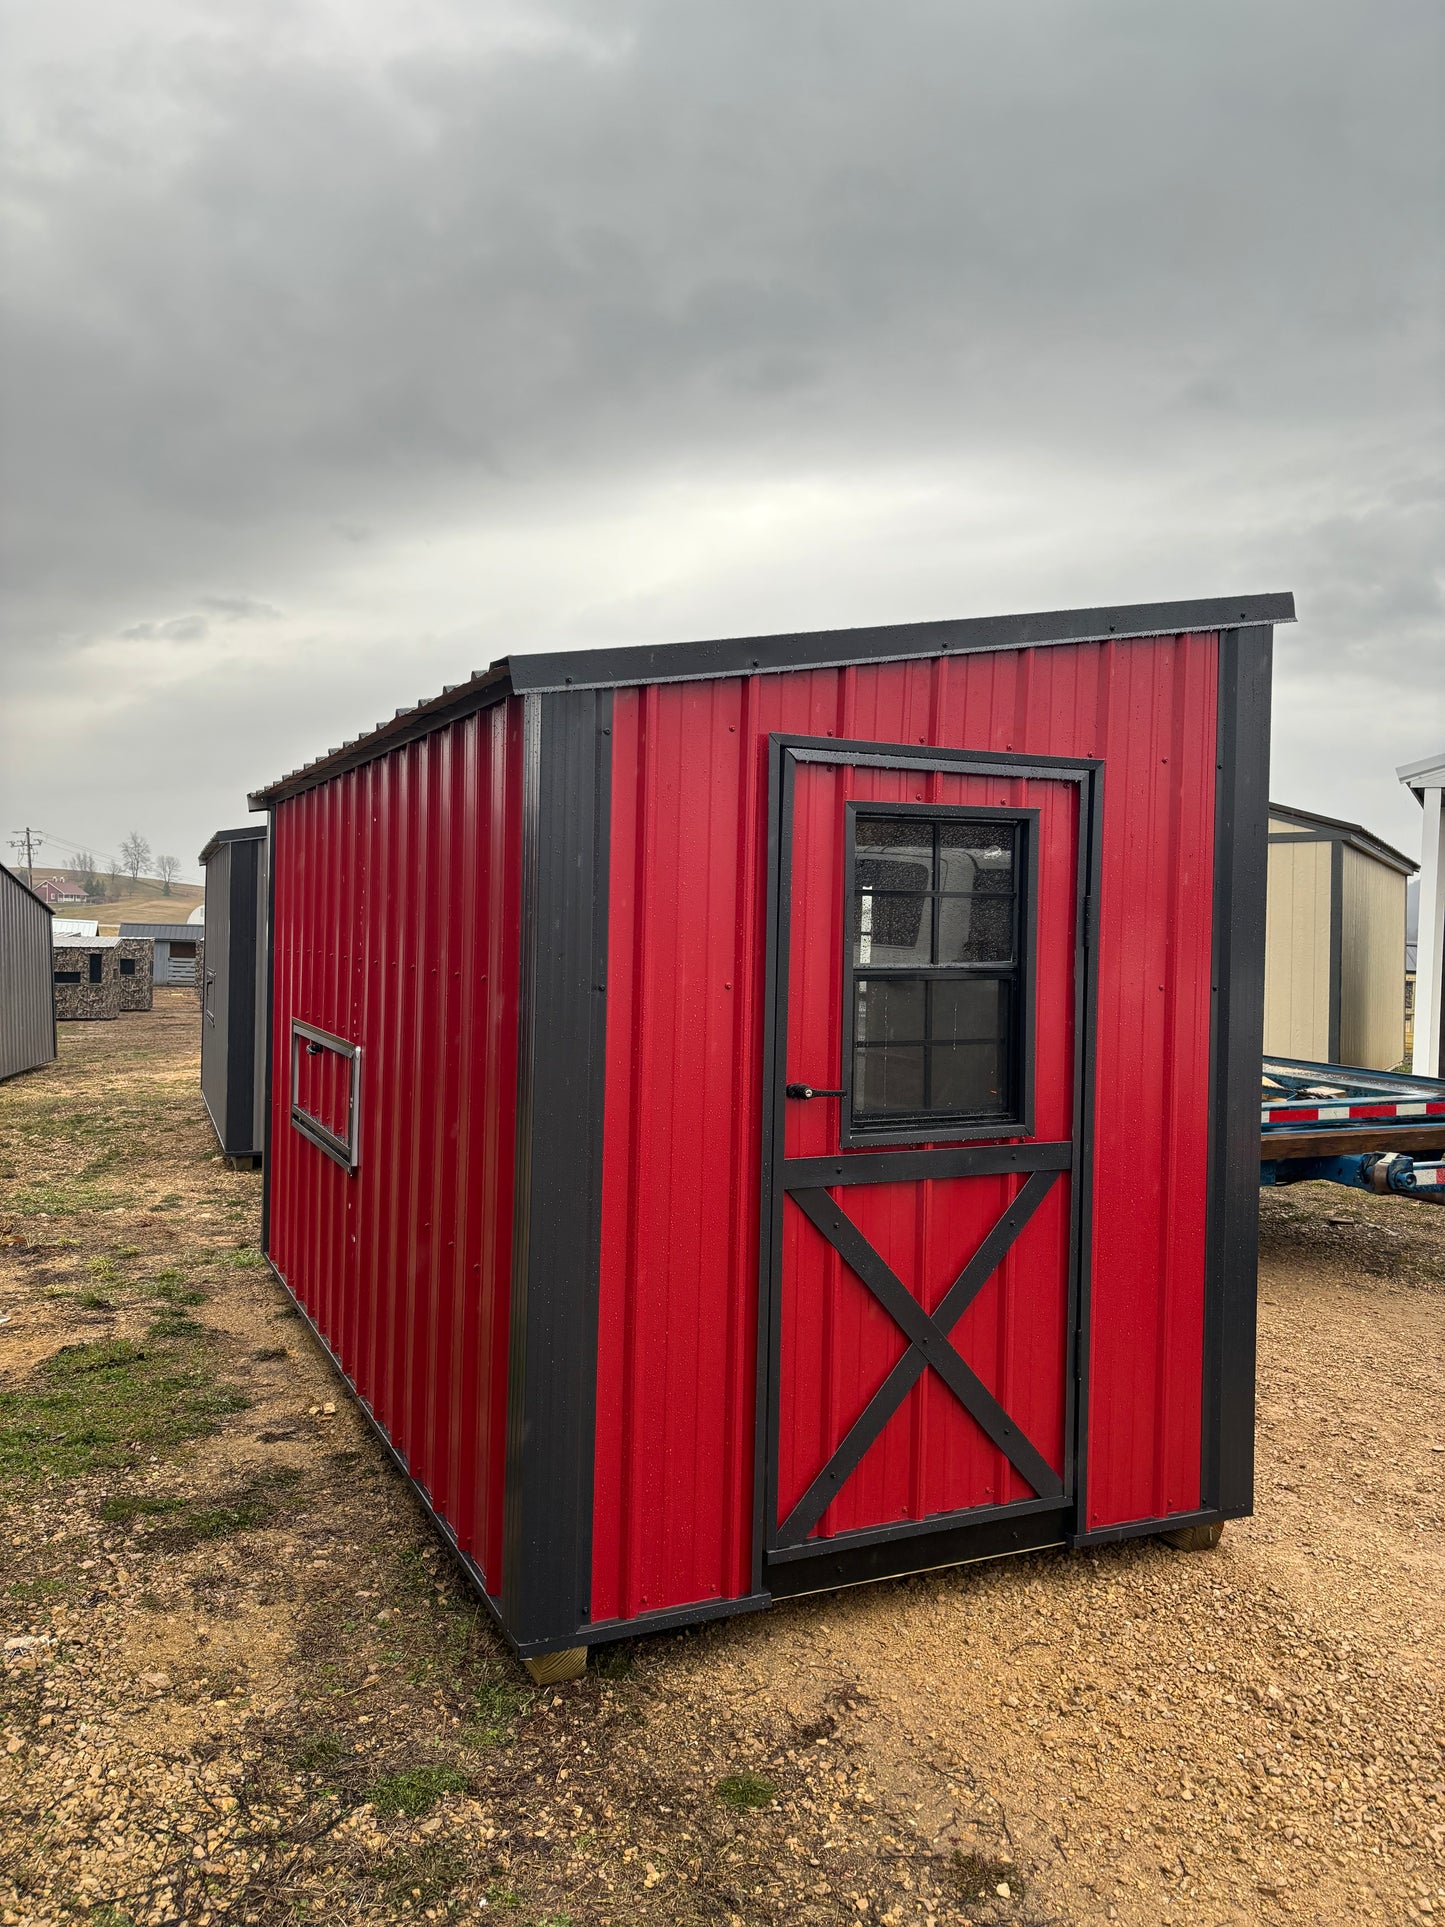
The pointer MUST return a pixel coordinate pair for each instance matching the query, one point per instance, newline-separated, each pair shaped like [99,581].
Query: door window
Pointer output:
[937,950]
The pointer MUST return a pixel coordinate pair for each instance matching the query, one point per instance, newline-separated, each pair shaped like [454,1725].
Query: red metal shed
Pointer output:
[749,1117]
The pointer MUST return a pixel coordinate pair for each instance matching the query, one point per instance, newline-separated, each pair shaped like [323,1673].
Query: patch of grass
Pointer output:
[496,1708]
[102,1267]
[424,1875]
[35,1592]
[741,1791]
[415,1789]
[244,1258]
[976,1877]
[499,1894]
[172,1287]
[126,1506]
[178,1324]
[108,1404]
[94,1301]
[268,1352]
[320,1752]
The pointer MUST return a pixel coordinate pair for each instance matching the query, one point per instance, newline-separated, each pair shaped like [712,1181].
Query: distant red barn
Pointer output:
[755,1116]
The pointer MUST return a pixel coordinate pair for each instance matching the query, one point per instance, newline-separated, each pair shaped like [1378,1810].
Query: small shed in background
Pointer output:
[233,1002]
[754,1116]
[136,968]
[87,978]
[27,997]
[75,927]
[1335,942]
[1425,779]
[175,949]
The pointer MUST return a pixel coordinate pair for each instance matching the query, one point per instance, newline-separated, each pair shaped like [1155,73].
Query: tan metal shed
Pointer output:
[1334,942]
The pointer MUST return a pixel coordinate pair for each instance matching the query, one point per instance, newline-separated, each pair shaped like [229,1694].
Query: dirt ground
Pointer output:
[243,1684]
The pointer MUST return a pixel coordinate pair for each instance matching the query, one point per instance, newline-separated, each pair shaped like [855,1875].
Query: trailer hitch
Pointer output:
[1380,1171]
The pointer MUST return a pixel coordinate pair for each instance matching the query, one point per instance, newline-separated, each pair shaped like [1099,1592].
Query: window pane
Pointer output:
[888,1079]
[896,838]
[975,856]
[975,929]
[969,1010]
[969,1077]
[892,930]
[889,1010]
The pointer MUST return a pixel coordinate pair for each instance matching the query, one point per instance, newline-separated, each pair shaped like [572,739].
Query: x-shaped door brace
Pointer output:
[929,1345]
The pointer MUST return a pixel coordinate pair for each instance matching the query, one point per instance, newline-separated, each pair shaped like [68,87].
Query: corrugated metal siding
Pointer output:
[678,1308]
[396,927]
[1372,962]
[27,989]
[1297,951]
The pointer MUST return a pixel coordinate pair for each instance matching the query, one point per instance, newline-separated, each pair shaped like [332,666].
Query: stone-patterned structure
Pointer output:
[137,967]
[87,978]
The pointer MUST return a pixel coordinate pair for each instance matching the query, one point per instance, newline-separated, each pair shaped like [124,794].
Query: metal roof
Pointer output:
[639,663]
[181,932]
[21,884]
[1428,773]
[248,833]
[1355,834]
[65,941]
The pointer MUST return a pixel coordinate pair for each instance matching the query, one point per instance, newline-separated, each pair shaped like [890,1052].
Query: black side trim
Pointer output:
[268,939]
[1337,946]
[828,648]
[669,1619]
[1241,870]
[958,1546]
[561,1075]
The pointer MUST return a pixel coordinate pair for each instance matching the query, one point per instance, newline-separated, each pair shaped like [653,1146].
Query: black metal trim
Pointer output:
[242,938]
[899,1167]
[784,753]
[248,833]
[269,941]
[670,1619]
[836,648]
[561,1078]
[1241,872]
[1153,1528]
[944,1128]
[979,1515]
[908,1552]
[1337,948]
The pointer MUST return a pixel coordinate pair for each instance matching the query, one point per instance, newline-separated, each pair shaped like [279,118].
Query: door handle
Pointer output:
[806,1090]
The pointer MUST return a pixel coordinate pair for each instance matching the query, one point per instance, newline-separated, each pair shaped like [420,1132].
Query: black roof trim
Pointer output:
[1337,830]
[635,663]
[5,870]
[837,648]
[248,833]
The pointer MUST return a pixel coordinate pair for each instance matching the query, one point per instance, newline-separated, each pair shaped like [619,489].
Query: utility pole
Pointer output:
[26,840]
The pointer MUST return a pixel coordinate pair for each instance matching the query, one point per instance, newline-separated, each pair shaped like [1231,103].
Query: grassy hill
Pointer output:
[140,902]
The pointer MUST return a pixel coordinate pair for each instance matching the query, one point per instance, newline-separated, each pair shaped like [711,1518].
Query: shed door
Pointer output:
[921,1164]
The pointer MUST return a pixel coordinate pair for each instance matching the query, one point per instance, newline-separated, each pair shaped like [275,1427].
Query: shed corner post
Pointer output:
[557,1231]
[1241,868]
[267,939]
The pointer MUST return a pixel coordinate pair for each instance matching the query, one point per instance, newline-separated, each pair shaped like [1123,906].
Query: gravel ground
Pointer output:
[242,1683]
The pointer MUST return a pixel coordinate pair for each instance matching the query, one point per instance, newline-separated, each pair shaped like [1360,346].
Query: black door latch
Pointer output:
[806,1090]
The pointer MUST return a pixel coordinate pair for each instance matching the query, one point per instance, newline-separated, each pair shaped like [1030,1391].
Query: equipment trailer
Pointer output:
[1372,1130]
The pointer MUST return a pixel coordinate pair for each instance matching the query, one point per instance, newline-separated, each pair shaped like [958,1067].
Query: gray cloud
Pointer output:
[634,315]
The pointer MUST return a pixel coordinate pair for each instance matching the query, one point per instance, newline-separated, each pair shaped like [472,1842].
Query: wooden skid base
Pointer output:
[1195,1538]
[550,1669]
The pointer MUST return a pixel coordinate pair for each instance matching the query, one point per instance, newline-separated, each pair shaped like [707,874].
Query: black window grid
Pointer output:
[1013,1115]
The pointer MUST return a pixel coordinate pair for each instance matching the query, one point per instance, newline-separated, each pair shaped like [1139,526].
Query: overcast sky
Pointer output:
[348,346]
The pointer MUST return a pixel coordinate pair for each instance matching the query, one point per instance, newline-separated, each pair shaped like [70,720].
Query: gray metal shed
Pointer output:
[233,1002]
[175,952]
[27,995]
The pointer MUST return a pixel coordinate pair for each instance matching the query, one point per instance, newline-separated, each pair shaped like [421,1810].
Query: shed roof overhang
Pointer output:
[1428,773]
[248,833]
[1335,829]
[635,663]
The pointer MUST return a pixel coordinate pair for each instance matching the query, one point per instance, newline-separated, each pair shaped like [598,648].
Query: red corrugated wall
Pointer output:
[396,924]
[675,1405]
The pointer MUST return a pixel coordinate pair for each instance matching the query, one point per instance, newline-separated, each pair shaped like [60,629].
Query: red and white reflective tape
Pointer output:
[1365,1110]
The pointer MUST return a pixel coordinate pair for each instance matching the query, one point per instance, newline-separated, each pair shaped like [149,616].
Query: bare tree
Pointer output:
[168,868]
[86,875]
[135,854]
[113,881]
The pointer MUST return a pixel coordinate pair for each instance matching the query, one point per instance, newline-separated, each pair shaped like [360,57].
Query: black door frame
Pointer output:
[978,1531]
